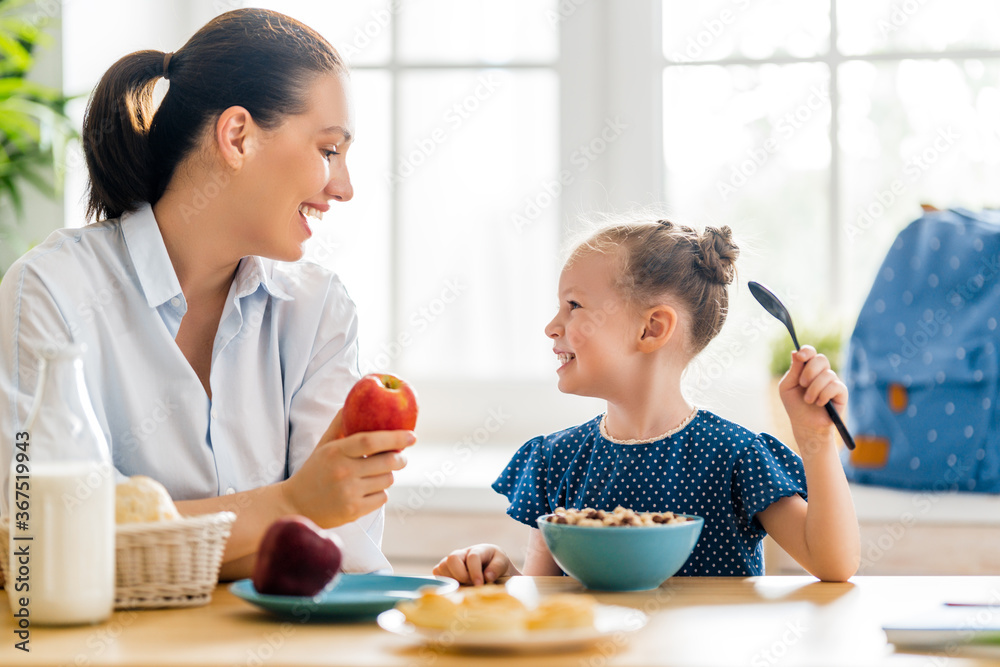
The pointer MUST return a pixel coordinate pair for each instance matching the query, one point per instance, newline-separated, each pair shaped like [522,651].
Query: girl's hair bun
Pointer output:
[716,255]
[667,262]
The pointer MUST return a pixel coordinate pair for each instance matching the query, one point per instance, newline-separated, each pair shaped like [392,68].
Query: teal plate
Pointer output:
[353,596]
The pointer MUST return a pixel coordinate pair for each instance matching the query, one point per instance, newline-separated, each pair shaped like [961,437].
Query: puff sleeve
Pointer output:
[764,472]
[524,482]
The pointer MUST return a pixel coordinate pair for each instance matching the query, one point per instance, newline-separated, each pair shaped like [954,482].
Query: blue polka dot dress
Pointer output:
[711,467]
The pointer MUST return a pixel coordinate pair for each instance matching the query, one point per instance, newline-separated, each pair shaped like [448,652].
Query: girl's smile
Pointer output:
[563,358]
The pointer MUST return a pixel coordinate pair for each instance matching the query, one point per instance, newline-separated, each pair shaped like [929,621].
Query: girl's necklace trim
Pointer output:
[646,441]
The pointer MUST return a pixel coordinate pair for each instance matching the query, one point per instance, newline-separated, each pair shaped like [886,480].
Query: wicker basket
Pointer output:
[163,564]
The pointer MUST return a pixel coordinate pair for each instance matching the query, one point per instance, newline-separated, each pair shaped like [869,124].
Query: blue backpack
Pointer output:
[922,363]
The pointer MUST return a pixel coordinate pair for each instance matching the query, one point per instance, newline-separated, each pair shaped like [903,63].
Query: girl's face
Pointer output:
[593,332]
[298,166]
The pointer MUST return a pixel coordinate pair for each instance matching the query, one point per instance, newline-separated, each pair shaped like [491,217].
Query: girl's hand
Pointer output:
[345,478]
[476,565]
[807,386]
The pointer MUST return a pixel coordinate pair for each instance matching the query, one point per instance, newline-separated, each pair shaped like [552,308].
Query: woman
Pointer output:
[213,367]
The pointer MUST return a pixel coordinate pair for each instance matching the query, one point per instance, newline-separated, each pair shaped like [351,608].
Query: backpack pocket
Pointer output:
[933,429]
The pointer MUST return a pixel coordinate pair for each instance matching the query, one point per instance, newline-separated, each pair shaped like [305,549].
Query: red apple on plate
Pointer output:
[379,402]
[295,558]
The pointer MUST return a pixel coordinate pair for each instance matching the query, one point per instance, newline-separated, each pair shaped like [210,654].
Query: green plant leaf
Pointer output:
[9,186]
[14,57]
[828,342]
[34,127]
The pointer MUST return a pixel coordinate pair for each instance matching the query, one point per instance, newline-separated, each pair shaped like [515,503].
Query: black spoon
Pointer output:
[773,305]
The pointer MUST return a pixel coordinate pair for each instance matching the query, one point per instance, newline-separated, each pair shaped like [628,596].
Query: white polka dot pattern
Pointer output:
[922,368]
[712,468]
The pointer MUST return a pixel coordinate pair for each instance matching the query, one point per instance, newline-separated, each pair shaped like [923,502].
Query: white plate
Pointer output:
[608,620]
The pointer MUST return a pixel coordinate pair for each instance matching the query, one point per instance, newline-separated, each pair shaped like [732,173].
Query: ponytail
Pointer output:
[115,136]
[254,58]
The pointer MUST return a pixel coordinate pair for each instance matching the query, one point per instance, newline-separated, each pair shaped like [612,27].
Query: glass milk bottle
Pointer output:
[62,502]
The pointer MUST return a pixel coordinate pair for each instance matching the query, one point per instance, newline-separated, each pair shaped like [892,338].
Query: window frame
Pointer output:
[833,58]
[597,42]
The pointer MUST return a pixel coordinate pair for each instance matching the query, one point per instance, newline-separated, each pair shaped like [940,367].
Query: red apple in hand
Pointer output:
[295,558]
[379,402]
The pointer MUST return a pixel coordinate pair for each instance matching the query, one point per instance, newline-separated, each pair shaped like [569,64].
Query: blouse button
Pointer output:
[175,302]
[230,491]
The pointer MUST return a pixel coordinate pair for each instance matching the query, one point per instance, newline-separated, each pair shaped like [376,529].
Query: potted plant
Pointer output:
[826,341]
[34,126]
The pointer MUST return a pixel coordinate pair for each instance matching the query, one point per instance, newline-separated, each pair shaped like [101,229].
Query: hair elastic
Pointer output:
[166,65]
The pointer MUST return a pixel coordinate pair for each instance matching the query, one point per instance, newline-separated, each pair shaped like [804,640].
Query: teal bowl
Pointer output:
[621,558]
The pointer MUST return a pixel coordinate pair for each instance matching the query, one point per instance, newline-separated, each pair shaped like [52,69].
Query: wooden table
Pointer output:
[758,621]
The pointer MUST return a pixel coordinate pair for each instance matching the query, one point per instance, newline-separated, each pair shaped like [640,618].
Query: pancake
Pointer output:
[563,611]
[430,610]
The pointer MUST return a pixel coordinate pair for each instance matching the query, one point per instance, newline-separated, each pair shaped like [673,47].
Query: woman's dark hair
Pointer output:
[254,58]
[662,258]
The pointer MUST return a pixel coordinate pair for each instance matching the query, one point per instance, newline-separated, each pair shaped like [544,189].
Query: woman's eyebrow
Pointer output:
[337,129]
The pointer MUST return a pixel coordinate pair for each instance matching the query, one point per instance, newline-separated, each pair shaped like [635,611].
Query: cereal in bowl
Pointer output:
[619,517]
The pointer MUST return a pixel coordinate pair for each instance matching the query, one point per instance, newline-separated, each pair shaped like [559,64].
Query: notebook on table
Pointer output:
[948,625]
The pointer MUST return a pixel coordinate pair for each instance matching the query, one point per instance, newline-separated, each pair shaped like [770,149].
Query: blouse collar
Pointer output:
[156,272]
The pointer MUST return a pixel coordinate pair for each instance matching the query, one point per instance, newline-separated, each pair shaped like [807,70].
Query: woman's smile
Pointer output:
[313,211]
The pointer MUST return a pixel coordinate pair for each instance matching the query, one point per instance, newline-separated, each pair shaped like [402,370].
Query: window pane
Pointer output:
[484,31]
[902,146]
[478,229]
[353,238]
[749,147]
[880,26]
[716,29]
[361,30]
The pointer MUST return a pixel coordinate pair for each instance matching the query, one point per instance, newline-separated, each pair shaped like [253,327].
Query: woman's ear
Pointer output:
[659,324]
[233,132]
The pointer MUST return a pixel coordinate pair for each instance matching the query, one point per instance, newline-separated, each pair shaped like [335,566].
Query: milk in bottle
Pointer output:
[61,505]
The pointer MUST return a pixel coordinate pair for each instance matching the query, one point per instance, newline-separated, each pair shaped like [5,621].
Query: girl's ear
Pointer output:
[233,132]
[659,325]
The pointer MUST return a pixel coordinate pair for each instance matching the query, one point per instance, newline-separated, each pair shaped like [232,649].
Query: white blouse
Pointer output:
[285,356]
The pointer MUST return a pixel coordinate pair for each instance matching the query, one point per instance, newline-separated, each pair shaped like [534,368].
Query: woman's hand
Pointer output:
[808,385]
[476,565]
[346,478]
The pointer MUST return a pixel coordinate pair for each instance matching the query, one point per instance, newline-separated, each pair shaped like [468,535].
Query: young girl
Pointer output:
[636,303]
